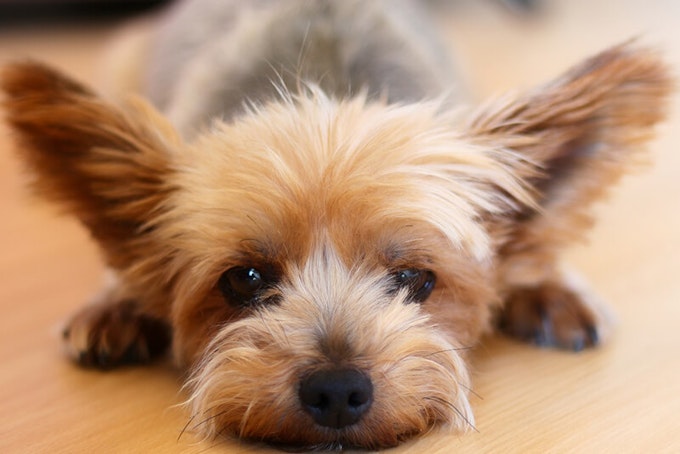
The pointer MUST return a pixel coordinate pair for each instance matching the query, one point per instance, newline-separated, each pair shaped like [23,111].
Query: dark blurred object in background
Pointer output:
[22,12]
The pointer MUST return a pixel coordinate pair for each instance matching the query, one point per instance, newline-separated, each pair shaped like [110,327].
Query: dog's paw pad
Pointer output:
[552,315]
[108,335]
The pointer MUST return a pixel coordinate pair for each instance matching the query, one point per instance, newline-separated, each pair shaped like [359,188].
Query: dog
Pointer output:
[319,235]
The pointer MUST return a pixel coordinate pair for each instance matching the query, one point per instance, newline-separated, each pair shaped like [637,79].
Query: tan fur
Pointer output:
[334,196]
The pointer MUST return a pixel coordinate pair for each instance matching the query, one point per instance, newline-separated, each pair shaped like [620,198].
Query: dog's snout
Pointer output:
[336,398]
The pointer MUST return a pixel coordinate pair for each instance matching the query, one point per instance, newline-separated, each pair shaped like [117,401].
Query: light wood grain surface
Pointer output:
[624,397]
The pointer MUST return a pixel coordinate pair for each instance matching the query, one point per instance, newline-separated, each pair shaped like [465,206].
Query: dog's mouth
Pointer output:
[339,441]
[320,447]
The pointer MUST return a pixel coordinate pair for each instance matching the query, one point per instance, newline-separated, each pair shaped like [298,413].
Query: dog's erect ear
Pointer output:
[577,135]
[105,164]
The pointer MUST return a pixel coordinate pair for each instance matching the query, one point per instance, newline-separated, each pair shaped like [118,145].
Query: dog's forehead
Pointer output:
[368,177]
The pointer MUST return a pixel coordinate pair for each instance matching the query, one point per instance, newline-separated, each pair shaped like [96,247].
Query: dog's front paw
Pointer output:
[555,314]
[107,334]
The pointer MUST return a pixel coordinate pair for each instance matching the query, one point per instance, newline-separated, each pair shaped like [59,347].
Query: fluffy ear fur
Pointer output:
[577,135]
[106,165]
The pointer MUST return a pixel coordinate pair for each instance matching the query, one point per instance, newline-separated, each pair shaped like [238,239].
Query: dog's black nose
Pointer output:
[336,398]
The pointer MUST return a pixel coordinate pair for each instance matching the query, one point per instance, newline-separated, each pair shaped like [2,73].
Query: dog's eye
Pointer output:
[419,283]
[241,285]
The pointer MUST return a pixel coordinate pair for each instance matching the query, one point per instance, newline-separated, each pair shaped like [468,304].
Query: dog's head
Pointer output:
[326,263]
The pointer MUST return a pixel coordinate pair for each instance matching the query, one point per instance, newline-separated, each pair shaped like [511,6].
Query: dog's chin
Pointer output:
[316,438]
[323,440]
[337,441]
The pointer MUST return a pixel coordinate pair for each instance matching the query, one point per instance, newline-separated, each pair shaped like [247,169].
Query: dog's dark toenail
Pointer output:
[578,344]
[132,356]
[593,335]
[104,359]
[82,357]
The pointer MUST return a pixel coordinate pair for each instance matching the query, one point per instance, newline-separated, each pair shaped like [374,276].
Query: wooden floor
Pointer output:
[623,398]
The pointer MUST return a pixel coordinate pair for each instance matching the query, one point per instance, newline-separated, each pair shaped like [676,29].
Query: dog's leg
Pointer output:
[568,141]
[108,165]
[115,330]
[557,312]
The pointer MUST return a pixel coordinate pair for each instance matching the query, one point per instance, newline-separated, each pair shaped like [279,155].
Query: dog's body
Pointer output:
[247,52]
[324,254]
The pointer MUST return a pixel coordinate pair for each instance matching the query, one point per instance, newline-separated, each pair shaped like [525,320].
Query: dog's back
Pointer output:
[209,58]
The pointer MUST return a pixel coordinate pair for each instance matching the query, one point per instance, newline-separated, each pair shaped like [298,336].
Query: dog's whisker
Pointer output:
[447,350]
[186,426]
[470,390]
[452,406]
[210,418]
[459,383]
[427,356]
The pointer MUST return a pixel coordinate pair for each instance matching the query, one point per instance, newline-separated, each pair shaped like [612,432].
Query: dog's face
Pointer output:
[326,264]
[332,238]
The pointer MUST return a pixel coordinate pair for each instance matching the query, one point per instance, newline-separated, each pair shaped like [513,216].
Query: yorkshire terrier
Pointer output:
[320,244]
